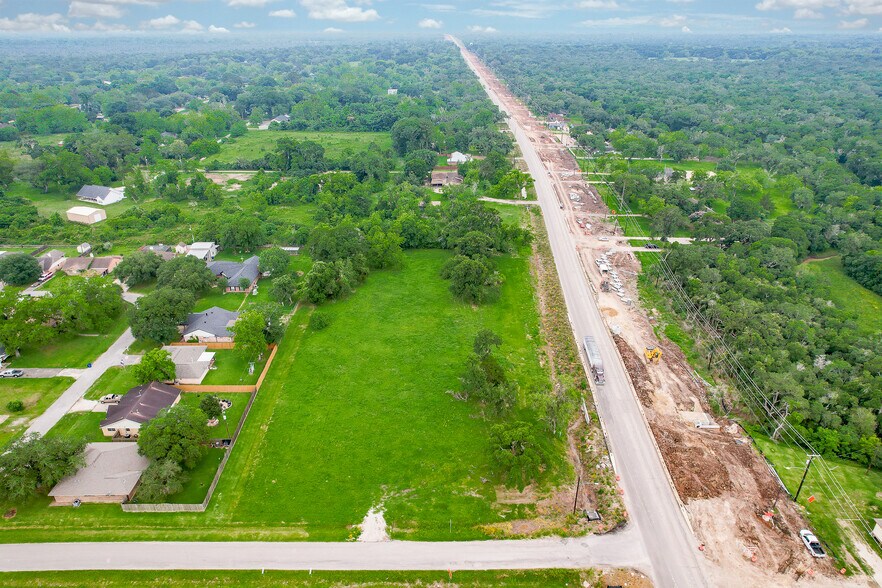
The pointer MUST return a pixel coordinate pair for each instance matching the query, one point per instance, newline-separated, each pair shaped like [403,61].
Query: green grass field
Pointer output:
[352,416]
[217,297]
[303,579]
[86,425]
[198,479]
[232,370]
[71,352]
[824,512]
[255,143]
[116,380]
[36,394]
[54,201]
[847,294]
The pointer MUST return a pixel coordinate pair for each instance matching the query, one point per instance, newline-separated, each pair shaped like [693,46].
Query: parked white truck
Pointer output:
[592,352]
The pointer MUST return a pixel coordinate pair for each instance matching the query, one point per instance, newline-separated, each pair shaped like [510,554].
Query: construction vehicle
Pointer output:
[653,354]
[592,352]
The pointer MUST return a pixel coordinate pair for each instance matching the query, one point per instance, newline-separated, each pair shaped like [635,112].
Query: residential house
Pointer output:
[204,250]
[73,266]
[456,158]
[3,355]
[50,259]
[392,91]
[291,250]
[101,266]
[210,326]
[441,178]
[282,118]
[111,474]
[101,194]
[237,274]
[192,362]
[86,215]
[138,406]
[163,251]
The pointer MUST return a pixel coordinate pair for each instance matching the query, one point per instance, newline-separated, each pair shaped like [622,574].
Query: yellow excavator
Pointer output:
[653,354]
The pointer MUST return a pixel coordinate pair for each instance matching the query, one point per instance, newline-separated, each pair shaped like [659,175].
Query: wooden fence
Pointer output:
[232,389]
[134,507]
[209,344]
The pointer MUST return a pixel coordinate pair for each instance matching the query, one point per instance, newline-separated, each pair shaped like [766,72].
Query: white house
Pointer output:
[204,250]
[86,215]
[101,194]
[392,91]
[456,158]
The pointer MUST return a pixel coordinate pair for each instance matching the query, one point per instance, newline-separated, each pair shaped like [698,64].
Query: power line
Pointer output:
[736,369]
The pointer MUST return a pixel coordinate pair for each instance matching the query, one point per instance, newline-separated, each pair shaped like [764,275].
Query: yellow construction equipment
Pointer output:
[653,354]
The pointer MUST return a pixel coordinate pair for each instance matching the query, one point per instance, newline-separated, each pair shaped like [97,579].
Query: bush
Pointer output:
[15,406]
[319,321]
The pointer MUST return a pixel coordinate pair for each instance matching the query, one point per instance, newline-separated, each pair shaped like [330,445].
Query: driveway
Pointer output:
[41,372]
[114,356]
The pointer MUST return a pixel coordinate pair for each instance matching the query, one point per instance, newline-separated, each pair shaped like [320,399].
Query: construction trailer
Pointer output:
[592,352]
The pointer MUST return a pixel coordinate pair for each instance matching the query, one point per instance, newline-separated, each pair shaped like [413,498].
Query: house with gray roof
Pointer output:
[101,194]
[210,326]
[192,362]
[50,259]
[237,274]
[111,474]
[138,406]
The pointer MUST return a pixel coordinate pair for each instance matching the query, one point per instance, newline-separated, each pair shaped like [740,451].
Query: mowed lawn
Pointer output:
[75,351]
[35,393]
[847,294]
[255,143]
[364,416]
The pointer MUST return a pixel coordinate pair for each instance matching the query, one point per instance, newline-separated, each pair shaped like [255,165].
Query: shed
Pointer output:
[84,248]
[86,215]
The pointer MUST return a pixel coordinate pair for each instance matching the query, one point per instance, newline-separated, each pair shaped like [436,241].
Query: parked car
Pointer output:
[812,543]
[652,246]
[11,374]
[110,399]
[603,239]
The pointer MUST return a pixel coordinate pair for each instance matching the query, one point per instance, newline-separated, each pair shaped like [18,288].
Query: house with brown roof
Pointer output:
[101,266]
[441,178]
[138,406]
[111,474]
[76,265]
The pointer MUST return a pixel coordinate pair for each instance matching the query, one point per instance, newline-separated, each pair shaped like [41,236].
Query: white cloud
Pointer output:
[162,22]
[617,21]
[439,7]
[807,13]
[868,7]
[79,9]
[191,26]
[516,8]
[248,3]
[598,4]
[796,4]
[214,29]
[102,27]
[338,10]
[686,29]
[672,21]
[284,13]
[480,29]
[782,31]
[244,25]
[30,22]
[430,23]
[852,24]
[333,30]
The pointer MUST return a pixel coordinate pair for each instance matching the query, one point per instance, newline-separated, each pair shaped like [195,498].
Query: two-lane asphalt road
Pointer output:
[652,504]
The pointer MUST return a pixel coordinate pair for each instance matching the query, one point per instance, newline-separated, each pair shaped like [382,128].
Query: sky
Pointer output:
[344,18]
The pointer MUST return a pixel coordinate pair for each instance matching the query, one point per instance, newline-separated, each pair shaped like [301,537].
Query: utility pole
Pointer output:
[576,499]
[808,464]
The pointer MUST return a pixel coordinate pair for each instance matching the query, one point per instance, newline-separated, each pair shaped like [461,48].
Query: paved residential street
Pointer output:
[620,549]
[652,504]
[113,356]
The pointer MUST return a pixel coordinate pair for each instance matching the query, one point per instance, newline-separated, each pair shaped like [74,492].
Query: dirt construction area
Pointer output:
[742,518]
